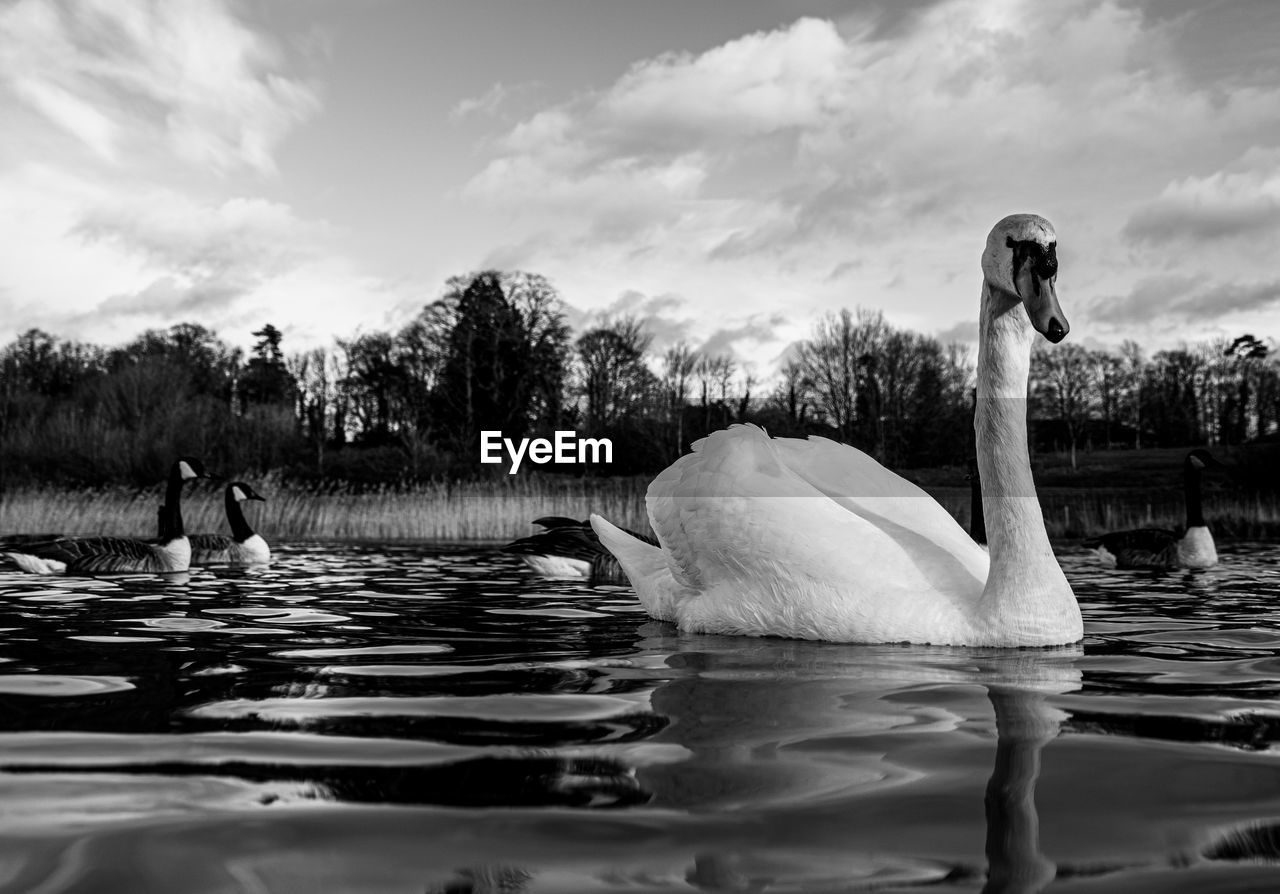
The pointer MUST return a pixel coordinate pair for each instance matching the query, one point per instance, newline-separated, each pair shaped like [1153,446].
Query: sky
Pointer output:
[728,171]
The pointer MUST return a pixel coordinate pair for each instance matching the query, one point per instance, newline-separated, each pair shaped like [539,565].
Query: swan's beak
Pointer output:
[1041,301]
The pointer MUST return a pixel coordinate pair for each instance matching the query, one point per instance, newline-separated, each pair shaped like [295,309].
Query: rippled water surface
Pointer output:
[357,718]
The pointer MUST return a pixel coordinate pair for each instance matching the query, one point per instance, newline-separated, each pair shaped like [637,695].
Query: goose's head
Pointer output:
[240,492]
[1200,459]
[188,467]
[1021,263]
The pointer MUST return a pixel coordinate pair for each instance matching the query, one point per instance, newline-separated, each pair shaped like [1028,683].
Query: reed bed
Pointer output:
[503,510]
[1076,513]
[468,511]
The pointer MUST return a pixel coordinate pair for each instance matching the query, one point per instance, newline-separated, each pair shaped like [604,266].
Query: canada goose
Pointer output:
[243,546]
[569,549]
[812,539]
[1192,547]
[117,555]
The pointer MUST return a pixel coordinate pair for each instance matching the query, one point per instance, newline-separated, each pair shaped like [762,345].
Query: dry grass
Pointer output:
[1078,513]
[503,510]
[500,510]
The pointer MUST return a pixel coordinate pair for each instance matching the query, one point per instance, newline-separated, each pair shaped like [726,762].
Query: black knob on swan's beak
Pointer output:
[1057,330]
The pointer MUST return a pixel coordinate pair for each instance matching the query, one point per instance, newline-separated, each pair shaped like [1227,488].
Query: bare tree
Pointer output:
[1108,377]
[614,381]
[835,364]
[1061,382]
[1131,376]
[678,366]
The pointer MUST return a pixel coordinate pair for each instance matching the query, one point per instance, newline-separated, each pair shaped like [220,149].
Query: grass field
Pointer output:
[499,510]
[1107,491]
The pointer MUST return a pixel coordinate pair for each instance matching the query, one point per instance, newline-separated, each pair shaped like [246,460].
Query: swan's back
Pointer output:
[811,539]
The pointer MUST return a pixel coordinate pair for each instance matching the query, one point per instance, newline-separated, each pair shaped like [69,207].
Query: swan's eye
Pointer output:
[1046,263]
[1043,259]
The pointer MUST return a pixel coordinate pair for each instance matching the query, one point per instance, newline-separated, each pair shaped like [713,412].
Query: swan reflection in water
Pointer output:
[784,745]
[849,694]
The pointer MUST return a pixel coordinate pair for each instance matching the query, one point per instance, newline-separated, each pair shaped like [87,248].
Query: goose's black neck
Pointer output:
[1191,484]
[240,529]
[977,521]
[171,512]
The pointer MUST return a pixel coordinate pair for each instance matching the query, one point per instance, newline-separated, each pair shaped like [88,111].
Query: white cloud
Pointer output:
[190,72]
[237,238]
[77,117]
[747,176]
[102,261]
[757,84]
[486,103]
[1177,300]
[1226,203]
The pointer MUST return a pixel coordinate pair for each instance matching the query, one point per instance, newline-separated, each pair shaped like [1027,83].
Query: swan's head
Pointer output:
[1021,262]
[240,492]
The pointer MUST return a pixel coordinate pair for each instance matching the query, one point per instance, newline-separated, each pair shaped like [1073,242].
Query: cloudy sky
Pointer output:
[730,169]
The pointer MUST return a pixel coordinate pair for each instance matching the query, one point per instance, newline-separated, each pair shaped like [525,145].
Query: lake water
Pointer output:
[438,721]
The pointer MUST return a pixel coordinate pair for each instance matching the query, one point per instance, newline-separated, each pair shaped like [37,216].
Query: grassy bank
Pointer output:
[470,511]
[1106,491]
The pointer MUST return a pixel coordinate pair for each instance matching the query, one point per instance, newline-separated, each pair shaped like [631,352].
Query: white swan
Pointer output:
[812,539]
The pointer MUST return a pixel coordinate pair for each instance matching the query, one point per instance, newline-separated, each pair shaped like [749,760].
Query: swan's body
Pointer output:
[816,540]
[568,549]
[170,552]
[1192,547]
[242,546]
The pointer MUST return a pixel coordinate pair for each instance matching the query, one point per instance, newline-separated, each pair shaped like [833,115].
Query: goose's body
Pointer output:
[170,552]
[816,540]
[568,549]
[243,546]
[224,549]
[1192,547]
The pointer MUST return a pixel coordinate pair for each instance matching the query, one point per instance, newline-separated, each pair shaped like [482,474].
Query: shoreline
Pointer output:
[483,513]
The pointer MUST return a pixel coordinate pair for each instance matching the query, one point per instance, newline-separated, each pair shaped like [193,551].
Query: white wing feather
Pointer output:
[810,539]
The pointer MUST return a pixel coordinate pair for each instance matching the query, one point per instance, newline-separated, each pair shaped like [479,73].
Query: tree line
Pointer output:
[494,353]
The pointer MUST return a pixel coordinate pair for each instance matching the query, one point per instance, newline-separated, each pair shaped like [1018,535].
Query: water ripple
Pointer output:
[398,717]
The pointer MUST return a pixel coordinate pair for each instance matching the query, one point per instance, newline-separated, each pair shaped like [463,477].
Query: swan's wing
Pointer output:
[904,511]
[744,499]
[645,565]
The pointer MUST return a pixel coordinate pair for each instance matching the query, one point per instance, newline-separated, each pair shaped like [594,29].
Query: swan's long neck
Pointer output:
[1024,725]
[1026,591]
